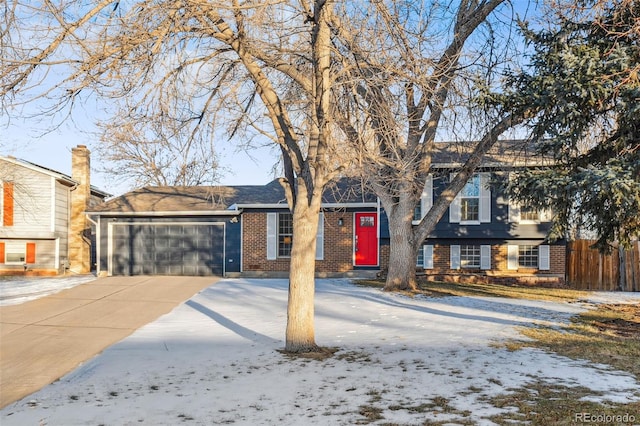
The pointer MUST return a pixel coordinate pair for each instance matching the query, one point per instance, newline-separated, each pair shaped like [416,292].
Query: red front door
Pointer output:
[366,240]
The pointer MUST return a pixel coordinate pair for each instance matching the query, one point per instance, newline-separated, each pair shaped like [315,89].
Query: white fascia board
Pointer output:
[170,213]
[34,167]
[495,165]
[285,206]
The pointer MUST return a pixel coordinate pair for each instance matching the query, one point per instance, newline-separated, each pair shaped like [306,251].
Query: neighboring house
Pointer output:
[43,226]
[247,230]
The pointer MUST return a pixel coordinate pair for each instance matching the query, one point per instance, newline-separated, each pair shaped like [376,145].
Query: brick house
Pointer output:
[43,226]
[484,236]
[247,230]
[231,231]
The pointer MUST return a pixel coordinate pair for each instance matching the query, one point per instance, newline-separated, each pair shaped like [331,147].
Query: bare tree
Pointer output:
[413,67]
[141,150]
[262,66]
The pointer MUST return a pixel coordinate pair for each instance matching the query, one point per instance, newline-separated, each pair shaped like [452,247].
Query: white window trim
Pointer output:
[544,215]
[512,257]
[427,256]
[320,238]
[484,203]
[272,237]
[15,247]
[514,215]
[426,198]
[479,257]
[485,257]
[454,256]
[544,257]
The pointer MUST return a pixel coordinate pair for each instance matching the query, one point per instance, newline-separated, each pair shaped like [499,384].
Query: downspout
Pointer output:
[97,225]
[378,231]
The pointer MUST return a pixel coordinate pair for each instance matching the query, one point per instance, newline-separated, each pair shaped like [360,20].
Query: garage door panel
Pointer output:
[167,249]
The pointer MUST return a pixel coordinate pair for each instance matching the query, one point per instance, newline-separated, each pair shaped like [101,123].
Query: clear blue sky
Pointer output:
[26,140]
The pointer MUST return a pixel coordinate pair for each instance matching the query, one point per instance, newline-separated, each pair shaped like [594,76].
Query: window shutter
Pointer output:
[544,261]
[512,257]
[514,208]
[514,212]
[454,207]
[1,252]
[427,257]
[320,238]
[485,198]
[545,215]
[485,257]
[455,257]
[272,236]
[31,253]
[7,204]
[426,200]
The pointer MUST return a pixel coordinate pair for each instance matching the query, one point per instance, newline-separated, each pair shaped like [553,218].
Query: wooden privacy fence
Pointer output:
[588,269]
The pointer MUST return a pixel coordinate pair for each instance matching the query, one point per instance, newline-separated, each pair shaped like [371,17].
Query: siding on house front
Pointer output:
[33,203]
[337,240]
[493,238]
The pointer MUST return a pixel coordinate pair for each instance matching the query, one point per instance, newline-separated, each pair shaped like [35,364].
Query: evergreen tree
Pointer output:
[583,83]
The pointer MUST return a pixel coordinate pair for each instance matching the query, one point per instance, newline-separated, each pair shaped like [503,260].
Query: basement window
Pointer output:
[15,253]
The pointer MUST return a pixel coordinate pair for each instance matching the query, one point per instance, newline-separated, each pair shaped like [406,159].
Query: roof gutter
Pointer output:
[235,207]
[170,213]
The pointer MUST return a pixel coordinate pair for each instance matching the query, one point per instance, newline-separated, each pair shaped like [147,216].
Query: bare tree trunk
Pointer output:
[300,332]
[401,274]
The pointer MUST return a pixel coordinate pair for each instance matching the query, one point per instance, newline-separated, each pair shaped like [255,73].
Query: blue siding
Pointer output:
[499,228]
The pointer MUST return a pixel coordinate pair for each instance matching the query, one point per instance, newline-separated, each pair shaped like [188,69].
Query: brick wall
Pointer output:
[338,244]
[338,256]
[499,273]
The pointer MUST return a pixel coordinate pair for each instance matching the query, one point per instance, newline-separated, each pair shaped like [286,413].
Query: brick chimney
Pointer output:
[79,227]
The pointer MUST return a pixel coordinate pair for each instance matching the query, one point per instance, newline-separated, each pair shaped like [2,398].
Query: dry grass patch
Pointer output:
[546,404]
[609,334]
[442,289]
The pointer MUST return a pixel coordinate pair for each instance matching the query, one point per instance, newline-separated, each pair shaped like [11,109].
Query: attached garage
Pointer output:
[188,248]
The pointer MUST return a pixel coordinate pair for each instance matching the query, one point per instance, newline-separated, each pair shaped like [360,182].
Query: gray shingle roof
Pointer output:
[345,190]
[216,198]
[504,153]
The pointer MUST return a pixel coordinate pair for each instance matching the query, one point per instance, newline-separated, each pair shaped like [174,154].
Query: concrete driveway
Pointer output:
[44,339]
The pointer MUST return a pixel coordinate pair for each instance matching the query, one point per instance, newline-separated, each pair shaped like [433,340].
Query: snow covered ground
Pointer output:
[215,360]
[16,290]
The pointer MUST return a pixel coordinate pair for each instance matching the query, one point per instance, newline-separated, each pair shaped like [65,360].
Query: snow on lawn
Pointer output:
[214,360]
[16,290]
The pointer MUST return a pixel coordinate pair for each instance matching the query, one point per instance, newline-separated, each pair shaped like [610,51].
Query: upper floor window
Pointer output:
[473,204]
[470,200]
[7,204]
[426,200]
[528,213]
